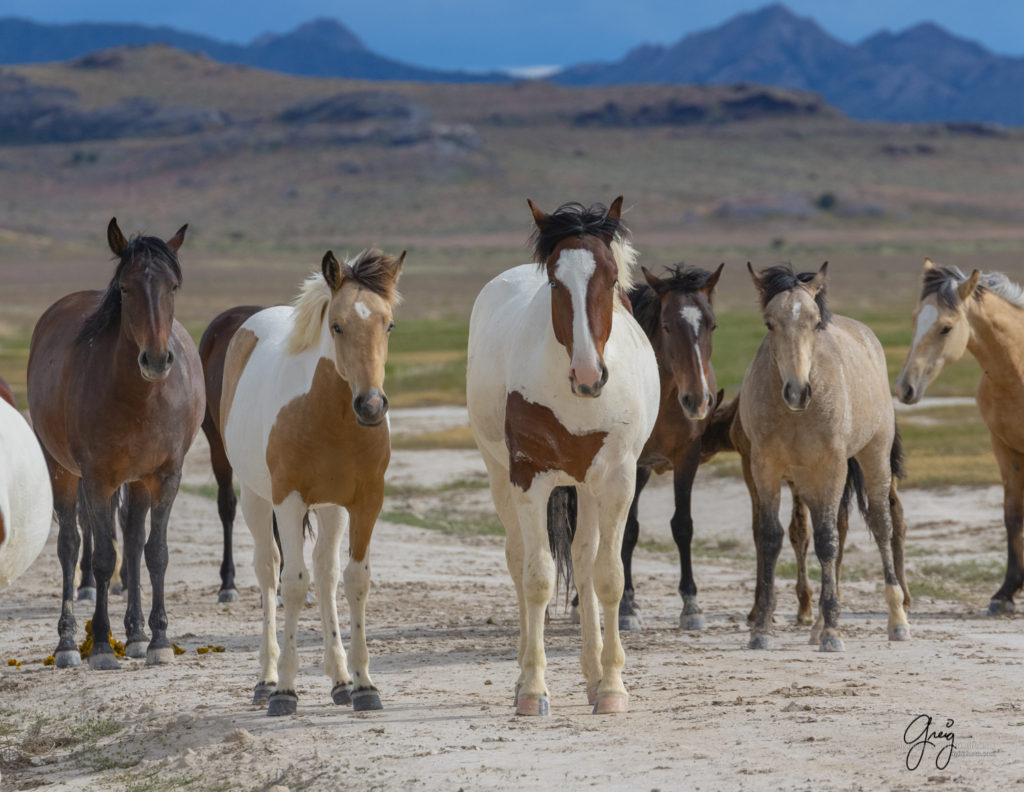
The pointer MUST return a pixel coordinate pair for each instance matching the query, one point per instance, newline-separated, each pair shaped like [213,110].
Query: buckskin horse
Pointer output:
[562,390]
[115,390]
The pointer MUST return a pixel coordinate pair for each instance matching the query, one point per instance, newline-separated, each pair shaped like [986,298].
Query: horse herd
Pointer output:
[580,384]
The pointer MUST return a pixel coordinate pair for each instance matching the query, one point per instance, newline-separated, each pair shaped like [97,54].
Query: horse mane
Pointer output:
[646,302]
[942,282]
[108,314]
[782,278]
[371,269]
[576,220]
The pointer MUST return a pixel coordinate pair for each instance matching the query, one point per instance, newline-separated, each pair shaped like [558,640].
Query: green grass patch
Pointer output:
[436,520]
[459,437]
[955,580]
[413,490]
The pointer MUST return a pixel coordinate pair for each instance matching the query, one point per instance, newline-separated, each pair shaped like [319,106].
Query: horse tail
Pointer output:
[562,506]
[854,488]
[897,459]
[716,435]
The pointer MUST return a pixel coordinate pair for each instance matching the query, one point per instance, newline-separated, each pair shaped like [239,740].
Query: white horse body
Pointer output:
[26,498]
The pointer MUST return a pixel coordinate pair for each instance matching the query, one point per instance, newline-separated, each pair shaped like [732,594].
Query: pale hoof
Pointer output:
[67,658]
[691,621]
[136,649]
[900,632]
[104,661]
[161,655]
[805,619]
[999,607]
[611,703]
[366,700]
[832,644]
[261,693]
[87,593]
[532,705]
[759,642]
[282,703]
[341,693]
[227,595]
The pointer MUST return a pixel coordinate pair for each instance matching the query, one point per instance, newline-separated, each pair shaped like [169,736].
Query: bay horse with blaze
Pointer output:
[115,390]
[304,420]
[562,390]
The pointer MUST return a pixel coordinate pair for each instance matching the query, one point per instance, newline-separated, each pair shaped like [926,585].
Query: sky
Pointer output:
[484,34]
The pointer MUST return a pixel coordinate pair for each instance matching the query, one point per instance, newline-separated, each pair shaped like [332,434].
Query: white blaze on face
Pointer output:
[796,309]
[691,313]
[574,269]
[362,310]
[925,319]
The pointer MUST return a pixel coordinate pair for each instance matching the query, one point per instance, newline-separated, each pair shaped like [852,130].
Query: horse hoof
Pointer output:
[227,595]
[282,703]
[161,655]
[900,632]
[135,649]
[610,703]
[1000,607]
[574,615]
[532,705]
[691,621]
[759,642]
[310,600]
[341,693]
[592,694]
[630,622]
[366,700]
[67,658]
[833,644]
[805,619]
[116,588]
[104,661]
[261,693]
[87,593]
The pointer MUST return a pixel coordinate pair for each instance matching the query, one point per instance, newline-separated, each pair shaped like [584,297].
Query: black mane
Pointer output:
[574,220]
[782,278]
[942,282]
[646,303]
[109,312]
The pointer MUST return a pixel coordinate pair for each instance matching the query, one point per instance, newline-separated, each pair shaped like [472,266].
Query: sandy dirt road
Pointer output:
[705,713]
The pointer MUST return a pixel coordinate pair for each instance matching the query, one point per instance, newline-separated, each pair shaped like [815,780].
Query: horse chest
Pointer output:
[1000,410]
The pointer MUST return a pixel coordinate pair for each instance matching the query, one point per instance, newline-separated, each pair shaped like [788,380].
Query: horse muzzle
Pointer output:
[796,397]
[907,393]
[370,408]
[593,390]
[155,368]
[696,408]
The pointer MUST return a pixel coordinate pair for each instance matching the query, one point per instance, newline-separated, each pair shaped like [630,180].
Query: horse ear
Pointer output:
[754,276]
[615,210]
[174,243]
[332,271]
[539,217]
[397,269]
[115,238]
[653,281]
[815,284]
[710,283]
[718,397]
[929,265]
[967,288]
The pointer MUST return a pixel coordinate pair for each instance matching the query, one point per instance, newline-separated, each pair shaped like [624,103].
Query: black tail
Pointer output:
[897,461]
[855,476]
[716,436]
[561,529]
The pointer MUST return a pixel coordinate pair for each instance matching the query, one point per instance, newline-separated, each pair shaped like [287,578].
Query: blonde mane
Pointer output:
[308,309]
[625,256]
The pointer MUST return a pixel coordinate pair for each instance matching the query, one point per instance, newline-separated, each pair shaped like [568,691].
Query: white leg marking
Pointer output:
[294,583]
[332,522]
[258,515]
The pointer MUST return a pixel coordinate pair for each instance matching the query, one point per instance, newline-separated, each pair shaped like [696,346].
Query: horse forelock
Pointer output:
[376,271]
[574,220]
[646,303]
[782,278]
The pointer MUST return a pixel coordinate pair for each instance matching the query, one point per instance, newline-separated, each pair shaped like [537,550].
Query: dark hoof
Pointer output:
[1000,607]
[136,649]
[610,703]
[900,633]
[161,655]
[115,589]
[832,644]
[342,693]
[366,700]
[67,658]
[227,595]
[282,703]
[261,693]
[759,642]
[629,622]
[87,593]
[104,661]
[691,621]
[532,705]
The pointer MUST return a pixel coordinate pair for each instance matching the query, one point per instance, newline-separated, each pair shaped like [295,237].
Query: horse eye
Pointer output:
[124,290]
[714,327]
[553,284]
[769,325]
[391,326]
[336,328]
[174,288]
[666,328]
[945,330]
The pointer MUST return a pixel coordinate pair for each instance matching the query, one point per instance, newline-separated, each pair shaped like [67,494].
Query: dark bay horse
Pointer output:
[115,390]
[677,315]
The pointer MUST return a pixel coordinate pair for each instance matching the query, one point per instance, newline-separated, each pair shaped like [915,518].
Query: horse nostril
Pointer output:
[144,358]
[170,357]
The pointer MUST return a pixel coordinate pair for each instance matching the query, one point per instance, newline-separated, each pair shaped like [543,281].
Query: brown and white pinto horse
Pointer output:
[984,314]
[303,413]
[115,390]
[545,341]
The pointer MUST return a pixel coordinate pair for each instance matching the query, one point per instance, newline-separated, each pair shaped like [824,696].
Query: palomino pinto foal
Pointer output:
[303,410]
[115,390]
[983,314]
[562,390]
[815,396]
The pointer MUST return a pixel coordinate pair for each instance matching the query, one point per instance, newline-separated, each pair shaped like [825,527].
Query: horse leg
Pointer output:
[899,540]
[363,516]
[768,534]
[826,547]
[258,514]
[87,580]
[163,490]
[584,556]
[136,501]
[629,614]
[800,538]
[1011,465]
[65,501]
[755,516]
[294,582]
[842,528]
[98,503]
[692,617]
[227,505]
[332,521]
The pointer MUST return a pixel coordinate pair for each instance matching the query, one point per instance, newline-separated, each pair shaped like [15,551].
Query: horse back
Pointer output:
[213,350]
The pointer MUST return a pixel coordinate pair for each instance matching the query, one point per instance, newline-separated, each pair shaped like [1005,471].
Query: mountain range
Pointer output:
[923,73]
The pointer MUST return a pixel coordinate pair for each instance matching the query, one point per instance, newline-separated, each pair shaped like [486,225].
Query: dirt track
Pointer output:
[705,712]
